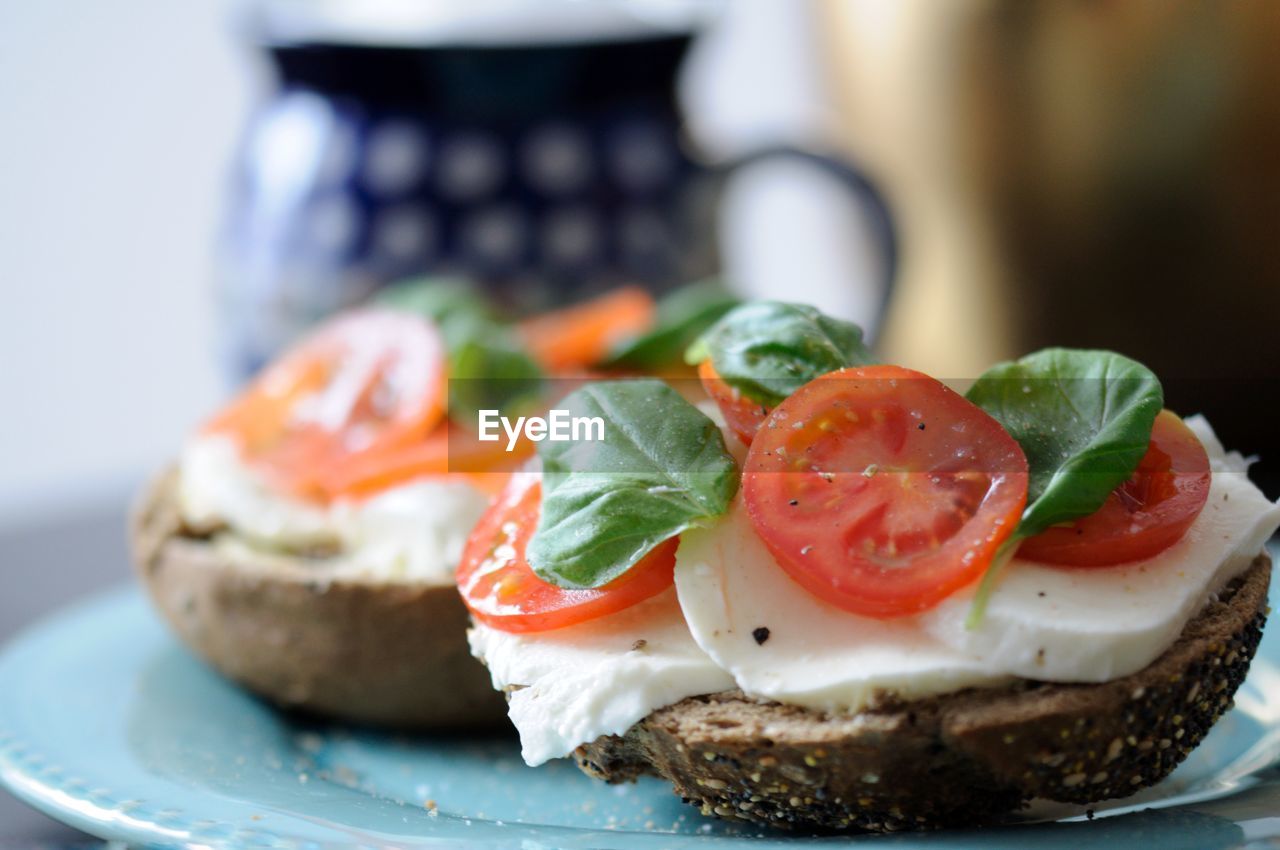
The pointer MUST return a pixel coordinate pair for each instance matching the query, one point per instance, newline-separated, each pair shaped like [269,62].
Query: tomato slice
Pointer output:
[1143,516]
[581,335]
[881,491]
[365,383]
[448,451]
[743,416]
[502,591]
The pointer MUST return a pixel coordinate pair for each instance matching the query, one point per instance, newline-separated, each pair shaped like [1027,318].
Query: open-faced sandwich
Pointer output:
[848,597]
[306,540]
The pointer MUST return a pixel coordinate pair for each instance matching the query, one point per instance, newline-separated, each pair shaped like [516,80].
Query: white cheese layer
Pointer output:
[597,678]
[412,532]
[812,654]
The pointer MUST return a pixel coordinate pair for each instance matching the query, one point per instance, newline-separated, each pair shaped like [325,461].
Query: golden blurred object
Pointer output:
[1059,165]
[1095,173]
[896,69]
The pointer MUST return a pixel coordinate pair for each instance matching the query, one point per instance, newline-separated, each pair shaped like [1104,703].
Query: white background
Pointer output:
[116,126]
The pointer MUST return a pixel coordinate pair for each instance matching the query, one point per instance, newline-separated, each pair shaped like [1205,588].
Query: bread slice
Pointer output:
[386,653]
[959,759]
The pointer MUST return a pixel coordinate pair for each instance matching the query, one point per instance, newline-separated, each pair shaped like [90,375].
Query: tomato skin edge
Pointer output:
[743,415]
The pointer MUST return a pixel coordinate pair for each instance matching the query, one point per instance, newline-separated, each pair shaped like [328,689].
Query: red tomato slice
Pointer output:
[742,415]
[881,491]
[448,451]
[364,383]
[1143,516]
[502,590]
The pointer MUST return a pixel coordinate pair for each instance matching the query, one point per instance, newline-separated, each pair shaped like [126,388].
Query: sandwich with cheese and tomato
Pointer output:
[306,540]
[845,596]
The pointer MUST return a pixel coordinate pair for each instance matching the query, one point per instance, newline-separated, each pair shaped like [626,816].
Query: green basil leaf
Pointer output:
[661,468]
[1084,420]
[681,317]
[769,349]
[453,304]
[490,371]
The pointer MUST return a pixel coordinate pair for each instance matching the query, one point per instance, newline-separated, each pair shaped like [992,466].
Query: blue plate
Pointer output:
[109,725]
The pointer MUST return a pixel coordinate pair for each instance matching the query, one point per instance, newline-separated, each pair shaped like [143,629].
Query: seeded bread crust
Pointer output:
[960,759]
[384,653]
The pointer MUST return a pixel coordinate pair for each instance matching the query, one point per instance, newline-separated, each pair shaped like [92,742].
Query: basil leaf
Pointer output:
[769,349]
[661,468]
[453,304]
[1084,420]
[490,371]
[681,317]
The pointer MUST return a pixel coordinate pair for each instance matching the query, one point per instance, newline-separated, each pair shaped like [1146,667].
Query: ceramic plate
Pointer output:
[107,724]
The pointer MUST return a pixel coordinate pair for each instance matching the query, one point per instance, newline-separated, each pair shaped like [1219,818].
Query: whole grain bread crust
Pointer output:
[958,759]
[386,653]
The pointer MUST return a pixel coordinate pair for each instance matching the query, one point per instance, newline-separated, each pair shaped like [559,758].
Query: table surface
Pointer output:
[44,564]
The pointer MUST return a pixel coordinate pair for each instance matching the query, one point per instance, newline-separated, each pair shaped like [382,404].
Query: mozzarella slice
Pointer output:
[731,589]
[597,678]
[1092,625]
[412,532]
